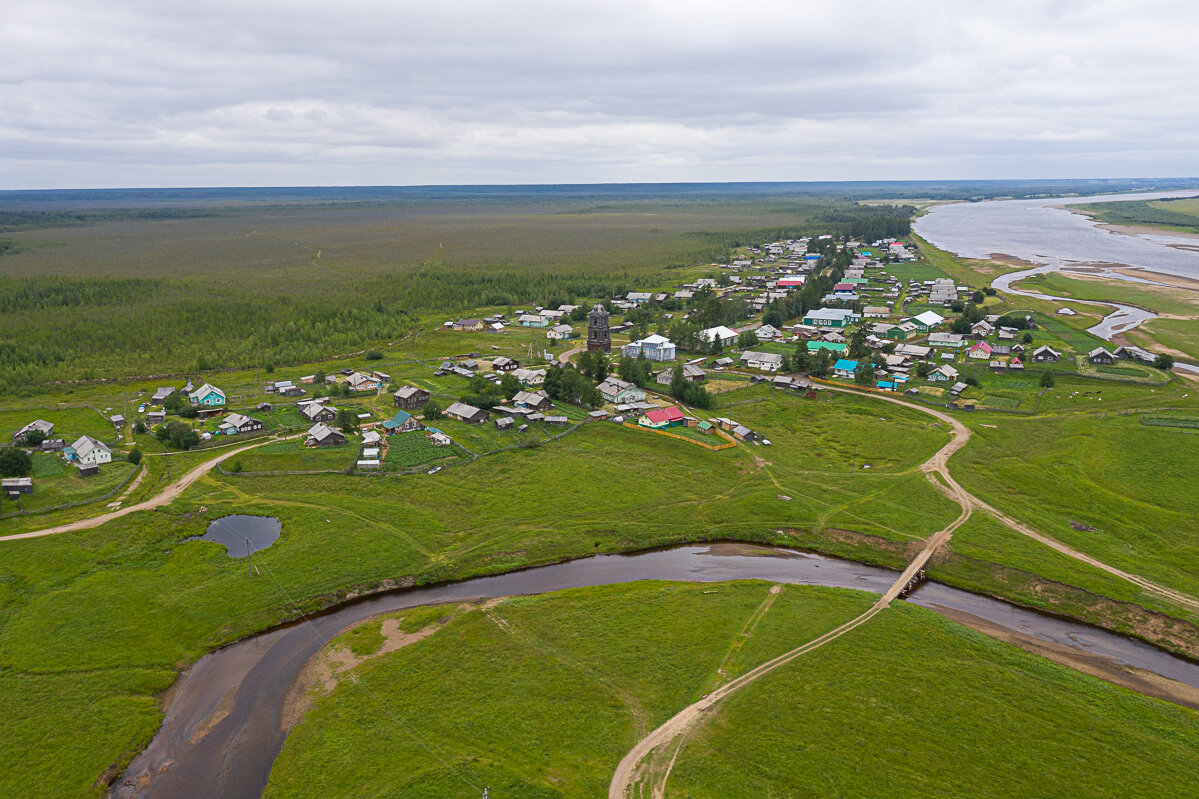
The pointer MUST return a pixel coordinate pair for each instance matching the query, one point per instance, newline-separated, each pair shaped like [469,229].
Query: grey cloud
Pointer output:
[220,93]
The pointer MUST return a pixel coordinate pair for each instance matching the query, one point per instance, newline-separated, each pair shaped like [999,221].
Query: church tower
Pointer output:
[598,337]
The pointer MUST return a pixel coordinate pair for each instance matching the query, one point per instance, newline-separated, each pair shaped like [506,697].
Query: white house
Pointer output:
[655,347]
[766,361]
[618,391]
[725,335]
[88,450]
[928,320]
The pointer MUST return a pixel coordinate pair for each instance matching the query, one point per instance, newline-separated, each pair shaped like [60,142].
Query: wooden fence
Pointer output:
[728,442]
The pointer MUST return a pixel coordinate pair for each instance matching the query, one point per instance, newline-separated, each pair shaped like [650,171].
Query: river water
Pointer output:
[1044,233]
[246,684]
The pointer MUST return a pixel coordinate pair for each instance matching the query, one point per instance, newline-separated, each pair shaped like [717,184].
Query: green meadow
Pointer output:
[1173,214]
[1131,484]
[913,704]
[542,696]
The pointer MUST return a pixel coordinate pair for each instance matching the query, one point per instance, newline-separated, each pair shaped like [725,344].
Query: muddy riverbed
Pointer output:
[225,726]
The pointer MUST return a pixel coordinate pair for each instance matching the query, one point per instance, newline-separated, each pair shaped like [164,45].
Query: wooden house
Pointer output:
[410,398]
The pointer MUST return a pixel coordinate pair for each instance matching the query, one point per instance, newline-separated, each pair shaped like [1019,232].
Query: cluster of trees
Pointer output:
[687,392]
[594,365]
[177,434]
[869,222]
[482,393]
[567,384]
[15,462]
[637,371]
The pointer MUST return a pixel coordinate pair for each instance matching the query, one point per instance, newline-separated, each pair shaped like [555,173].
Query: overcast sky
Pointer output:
[395,92]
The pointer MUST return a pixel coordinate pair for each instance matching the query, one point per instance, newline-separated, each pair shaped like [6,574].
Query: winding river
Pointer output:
[1045,233]
[225,726]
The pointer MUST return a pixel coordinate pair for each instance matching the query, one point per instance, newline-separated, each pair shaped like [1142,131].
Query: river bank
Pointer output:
[217,743]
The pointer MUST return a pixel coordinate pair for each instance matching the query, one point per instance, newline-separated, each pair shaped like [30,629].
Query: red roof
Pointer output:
[664,415]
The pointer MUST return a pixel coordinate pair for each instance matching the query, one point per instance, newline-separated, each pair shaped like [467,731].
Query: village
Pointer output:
[797,315]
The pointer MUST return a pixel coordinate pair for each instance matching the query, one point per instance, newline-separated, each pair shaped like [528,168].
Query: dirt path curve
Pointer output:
[168,495]
[648,764]
[565,357]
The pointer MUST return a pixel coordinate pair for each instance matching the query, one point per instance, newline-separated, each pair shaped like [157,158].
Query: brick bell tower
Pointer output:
[598,337]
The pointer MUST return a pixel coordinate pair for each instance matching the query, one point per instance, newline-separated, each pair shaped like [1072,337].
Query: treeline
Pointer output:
[1141,212]
[11,221]
[20,294]
[70,328]
[869,222]
[866,222]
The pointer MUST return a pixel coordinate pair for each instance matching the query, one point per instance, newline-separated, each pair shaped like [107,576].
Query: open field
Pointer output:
[59,483]
[856,718]
[296,280]
[158,603]
[1132,483]
[293,456]
[547,693]
[1176,328]
[104,619]
[1177,214]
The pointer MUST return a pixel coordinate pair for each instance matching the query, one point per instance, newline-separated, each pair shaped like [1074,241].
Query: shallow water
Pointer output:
[242,534]
[1041,233]
[251,678]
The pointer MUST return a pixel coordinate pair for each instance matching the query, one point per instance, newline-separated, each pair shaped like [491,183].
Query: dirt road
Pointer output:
[647,765]
[565,357]
[168,495]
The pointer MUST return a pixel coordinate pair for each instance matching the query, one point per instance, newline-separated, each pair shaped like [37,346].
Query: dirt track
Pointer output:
[647,765]
[168,495]
[565,357]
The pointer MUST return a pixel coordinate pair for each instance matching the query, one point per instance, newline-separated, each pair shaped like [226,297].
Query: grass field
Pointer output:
[69,422]
[413,449]
[1176,214]
[546,694]
[294,456]
[1134,484]
[58,483]
[855,718]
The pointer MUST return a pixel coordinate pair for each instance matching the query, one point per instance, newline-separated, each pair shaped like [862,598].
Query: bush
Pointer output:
[374,355]
[432,411]
[1047,379]
[1164,362]
[135,456]
[15,462]
[34,438]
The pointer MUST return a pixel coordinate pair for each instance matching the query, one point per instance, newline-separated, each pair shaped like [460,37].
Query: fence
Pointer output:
[78,503]
[1184,422]
[726,445]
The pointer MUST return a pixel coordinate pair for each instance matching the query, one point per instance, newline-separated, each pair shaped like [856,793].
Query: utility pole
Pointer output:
[248,563]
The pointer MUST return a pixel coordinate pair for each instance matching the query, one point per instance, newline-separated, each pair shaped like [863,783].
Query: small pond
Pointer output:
[234,531]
